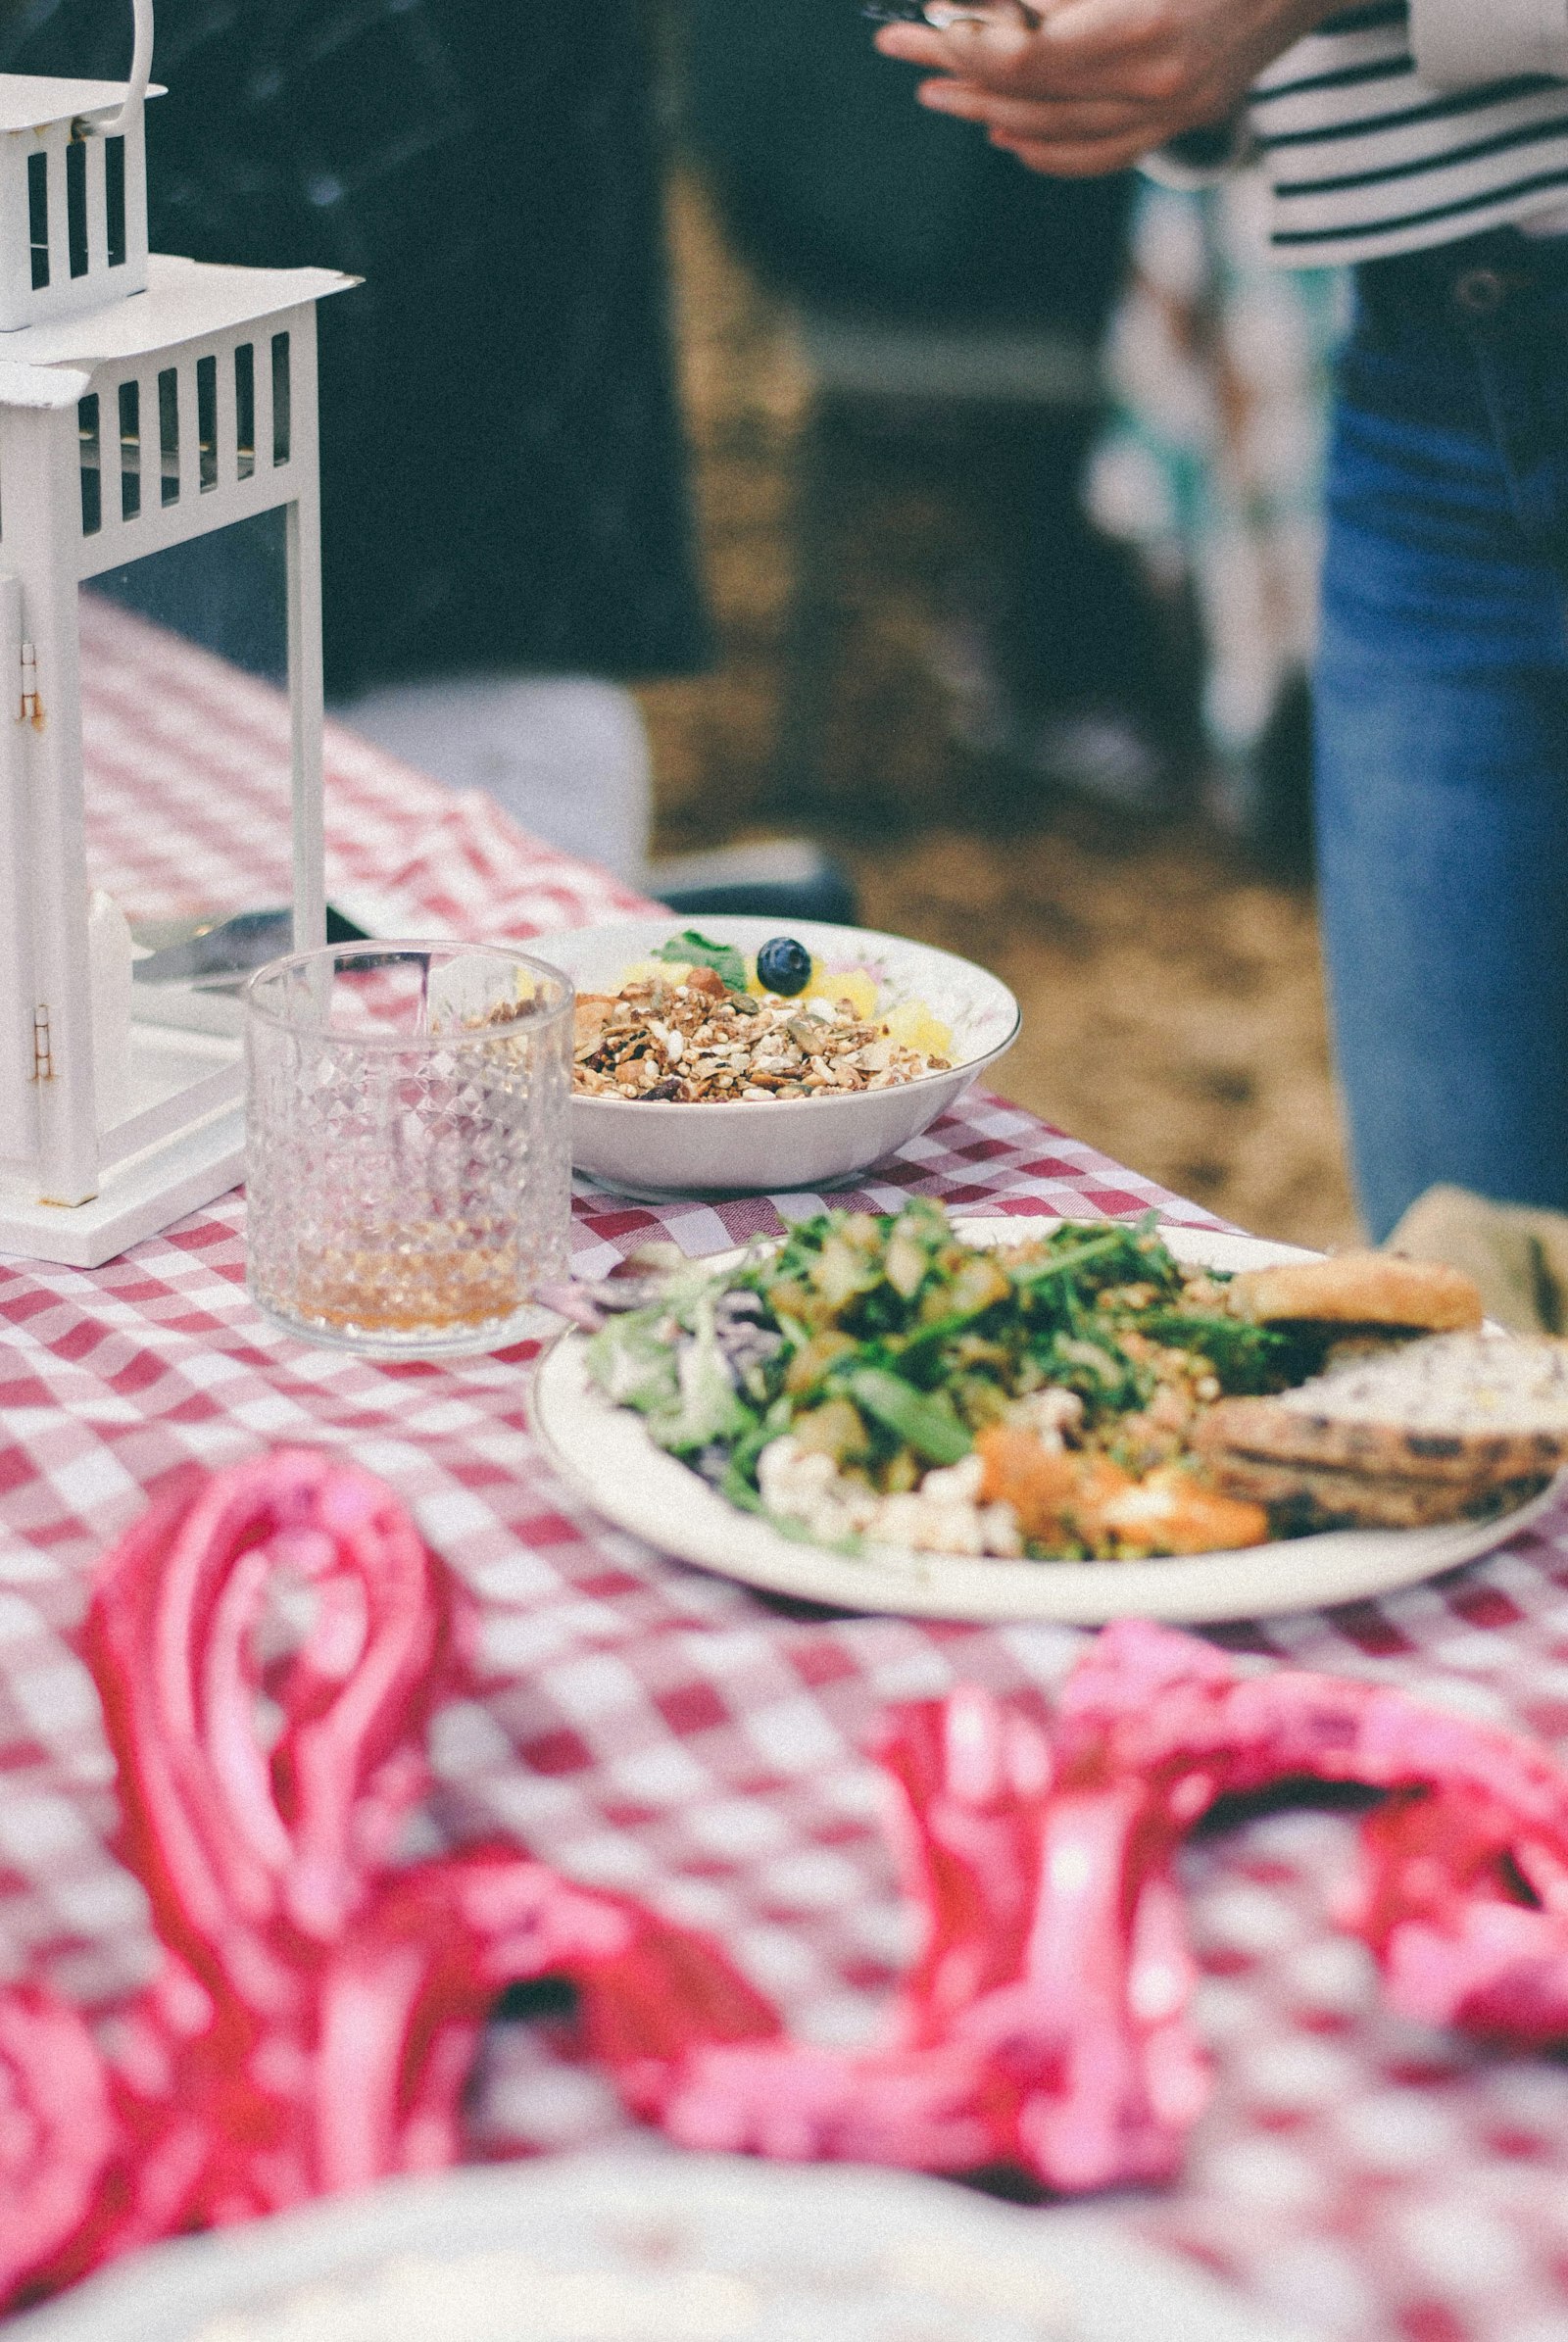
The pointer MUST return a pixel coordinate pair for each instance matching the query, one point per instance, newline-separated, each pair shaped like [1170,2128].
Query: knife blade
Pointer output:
[234,948]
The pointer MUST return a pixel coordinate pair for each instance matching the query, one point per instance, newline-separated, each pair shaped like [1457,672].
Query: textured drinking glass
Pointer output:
[408,1143]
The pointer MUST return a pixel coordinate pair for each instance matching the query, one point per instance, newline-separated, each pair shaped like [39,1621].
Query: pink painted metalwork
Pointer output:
[319,2008]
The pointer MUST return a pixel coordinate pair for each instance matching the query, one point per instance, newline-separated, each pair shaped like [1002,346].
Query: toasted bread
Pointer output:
[1457,1407]
[1273,1432]
[1439,1430]
[1308,1497]
[1358,1288]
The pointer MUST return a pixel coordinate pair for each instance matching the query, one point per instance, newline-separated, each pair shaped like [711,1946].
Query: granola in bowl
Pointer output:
[685,1038]
[812,1065]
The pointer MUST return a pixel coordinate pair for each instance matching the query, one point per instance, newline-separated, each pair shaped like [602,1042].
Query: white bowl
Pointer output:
[753,1147]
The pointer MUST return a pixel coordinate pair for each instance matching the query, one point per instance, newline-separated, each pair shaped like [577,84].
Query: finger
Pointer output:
[1101,31]
[1036,120]
[988,48]
[989,44]
[997,52]
[1089,159]
[1127,66]
[912,44]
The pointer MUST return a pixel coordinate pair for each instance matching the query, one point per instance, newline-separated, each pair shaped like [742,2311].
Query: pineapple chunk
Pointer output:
[656,971]
[859,987]
[913,1026]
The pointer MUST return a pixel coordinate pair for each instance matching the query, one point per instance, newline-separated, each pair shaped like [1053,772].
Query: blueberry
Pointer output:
[784,966]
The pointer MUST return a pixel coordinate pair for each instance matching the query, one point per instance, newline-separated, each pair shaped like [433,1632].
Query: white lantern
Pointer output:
[143,402]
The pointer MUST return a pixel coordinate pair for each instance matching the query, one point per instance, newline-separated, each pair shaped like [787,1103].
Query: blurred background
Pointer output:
[723,450]
[1004,499]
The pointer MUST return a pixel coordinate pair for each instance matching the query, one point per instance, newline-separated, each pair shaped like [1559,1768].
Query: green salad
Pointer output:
[889,1346]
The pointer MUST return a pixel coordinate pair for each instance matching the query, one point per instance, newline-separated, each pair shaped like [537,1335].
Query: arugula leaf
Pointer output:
[1030,1277]
[1248,1359]
[696,949]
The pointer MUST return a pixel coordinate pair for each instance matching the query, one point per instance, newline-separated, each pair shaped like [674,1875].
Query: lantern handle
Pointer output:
[141,72]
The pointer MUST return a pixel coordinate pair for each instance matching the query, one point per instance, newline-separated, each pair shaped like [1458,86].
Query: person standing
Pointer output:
[1425,141]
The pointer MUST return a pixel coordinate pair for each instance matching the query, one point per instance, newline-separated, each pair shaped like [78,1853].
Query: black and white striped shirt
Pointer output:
[1380,135]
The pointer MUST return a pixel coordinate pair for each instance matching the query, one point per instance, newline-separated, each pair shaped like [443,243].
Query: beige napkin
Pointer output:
[1517,1255]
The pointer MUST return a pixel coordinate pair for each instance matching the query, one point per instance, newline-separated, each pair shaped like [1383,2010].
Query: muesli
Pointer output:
[706,1030]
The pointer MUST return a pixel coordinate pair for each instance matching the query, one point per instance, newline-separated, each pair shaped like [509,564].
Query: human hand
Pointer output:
[1095,84]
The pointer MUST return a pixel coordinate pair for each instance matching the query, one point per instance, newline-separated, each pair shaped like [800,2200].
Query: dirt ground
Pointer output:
[1172,991]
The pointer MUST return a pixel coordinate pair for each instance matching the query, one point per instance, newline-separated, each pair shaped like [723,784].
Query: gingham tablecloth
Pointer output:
[650,1729]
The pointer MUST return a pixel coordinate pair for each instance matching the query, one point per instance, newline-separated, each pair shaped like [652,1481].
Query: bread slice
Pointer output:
[1308,1497]
[1460,1408]
[1358,1288]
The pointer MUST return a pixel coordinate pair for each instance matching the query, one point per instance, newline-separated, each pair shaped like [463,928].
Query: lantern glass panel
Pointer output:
[77,208]
[38,218]
[114,220]
[183,662]
[224,593]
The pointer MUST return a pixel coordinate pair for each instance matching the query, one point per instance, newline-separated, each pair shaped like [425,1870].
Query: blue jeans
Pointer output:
[1443,726]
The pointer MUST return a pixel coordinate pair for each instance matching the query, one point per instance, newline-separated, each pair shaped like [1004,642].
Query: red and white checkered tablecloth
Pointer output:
[650,1729]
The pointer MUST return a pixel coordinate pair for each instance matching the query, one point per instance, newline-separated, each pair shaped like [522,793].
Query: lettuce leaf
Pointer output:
[705,1406]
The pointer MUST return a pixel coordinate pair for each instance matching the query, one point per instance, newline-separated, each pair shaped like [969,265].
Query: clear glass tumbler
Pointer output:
[408,1143]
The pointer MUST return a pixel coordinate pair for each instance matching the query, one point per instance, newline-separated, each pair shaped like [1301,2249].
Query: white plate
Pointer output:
[660,2247]
[787,1143]
[605,1451]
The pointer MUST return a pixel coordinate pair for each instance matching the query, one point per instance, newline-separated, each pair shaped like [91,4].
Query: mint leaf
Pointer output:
[723,959]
